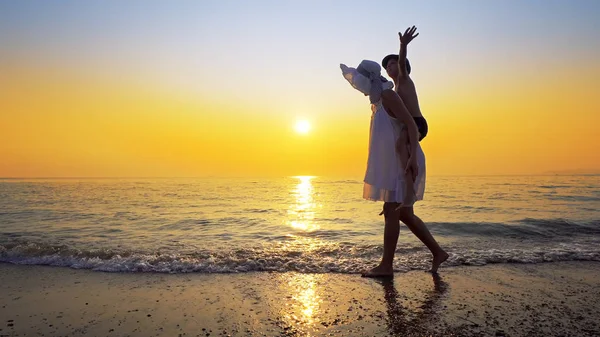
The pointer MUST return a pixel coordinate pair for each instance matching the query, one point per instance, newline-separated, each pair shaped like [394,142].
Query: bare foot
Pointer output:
[379,271]
[437,260]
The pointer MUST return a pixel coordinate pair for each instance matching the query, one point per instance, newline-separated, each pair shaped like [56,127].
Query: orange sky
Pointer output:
[61,124]
[493,114]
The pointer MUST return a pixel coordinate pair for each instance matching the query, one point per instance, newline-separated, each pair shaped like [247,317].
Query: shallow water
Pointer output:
[306,224]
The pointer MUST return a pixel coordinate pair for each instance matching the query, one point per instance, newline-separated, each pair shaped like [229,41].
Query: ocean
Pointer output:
[302,224]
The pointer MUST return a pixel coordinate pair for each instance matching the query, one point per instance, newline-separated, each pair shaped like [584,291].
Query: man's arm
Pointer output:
[398,109]
[405,39]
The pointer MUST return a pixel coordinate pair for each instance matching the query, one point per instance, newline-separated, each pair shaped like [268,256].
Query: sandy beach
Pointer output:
[553,299]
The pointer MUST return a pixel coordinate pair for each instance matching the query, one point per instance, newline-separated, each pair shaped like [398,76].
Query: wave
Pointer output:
[338,258]
[527,228]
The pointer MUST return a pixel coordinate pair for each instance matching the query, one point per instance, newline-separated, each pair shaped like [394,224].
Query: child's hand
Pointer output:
[409,35]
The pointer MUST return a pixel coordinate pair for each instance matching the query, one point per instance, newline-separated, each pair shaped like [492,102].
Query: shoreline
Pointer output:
[550,299]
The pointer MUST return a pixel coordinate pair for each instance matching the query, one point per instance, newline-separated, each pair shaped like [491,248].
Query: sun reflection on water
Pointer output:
[302,213]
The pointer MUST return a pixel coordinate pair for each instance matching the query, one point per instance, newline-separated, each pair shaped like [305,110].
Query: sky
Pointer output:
[214,88]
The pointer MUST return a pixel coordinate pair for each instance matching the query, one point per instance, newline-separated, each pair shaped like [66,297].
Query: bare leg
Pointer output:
[416,225]
[391,233]
[409,177]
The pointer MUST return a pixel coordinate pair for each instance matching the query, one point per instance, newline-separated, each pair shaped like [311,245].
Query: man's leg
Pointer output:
[416,225]
[402,148]
[391,232]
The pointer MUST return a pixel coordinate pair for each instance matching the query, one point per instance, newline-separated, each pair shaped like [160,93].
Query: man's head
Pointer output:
[390,64]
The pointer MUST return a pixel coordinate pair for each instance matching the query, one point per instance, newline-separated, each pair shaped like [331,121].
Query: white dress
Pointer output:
[384,178]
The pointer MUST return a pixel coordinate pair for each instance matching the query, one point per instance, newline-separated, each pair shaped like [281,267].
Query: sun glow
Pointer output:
[302,127]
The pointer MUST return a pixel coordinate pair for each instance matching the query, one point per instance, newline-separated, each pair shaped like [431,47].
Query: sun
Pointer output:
[302,127]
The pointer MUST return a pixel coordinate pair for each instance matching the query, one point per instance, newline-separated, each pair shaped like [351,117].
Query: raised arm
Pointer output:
[409,35]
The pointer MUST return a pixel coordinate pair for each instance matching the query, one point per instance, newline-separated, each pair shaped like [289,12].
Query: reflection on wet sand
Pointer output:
[313,305]
[403,322]
[302,310]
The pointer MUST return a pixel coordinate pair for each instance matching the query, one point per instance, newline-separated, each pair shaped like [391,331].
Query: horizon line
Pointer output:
[292,176]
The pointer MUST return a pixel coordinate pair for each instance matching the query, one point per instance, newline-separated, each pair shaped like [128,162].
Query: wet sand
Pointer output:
[553,299]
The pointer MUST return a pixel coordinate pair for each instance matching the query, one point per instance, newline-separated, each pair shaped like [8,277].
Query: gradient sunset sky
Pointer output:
[214,88]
